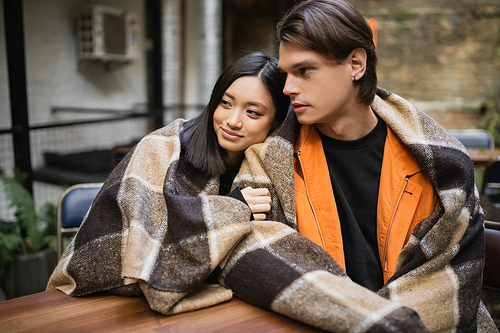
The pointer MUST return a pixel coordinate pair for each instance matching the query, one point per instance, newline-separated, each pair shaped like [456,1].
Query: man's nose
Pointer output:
[290,86]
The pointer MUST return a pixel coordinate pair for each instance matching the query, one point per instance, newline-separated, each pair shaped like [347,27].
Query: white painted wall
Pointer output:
[54,77]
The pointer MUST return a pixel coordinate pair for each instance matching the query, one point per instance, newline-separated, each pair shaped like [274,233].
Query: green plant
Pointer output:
[490,115]
[32,231]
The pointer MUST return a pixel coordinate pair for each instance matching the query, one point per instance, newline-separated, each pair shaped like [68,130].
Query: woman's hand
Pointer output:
[259,201]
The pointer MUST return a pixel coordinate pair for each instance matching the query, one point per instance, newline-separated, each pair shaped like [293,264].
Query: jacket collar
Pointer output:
[403,157]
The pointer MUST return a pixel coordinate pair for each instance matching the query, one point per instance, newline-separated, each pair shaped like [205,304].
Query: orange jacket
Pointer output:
[406,197]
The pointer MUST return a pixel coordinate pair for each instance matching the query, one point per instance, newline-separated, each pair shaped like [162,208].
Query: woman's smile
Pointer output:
[230,135]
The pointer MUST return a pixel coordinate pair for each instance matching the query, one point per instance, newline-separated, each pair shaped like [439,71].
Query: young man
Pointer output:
[378,184]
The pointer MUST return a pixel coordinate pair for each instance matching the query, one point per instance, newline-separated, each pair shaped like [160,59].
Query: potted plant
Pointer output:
[489,114]
[27,245]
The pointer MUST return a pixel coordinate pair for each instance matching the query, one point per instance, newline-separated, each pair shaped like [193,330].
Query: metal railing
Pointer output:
[100,132]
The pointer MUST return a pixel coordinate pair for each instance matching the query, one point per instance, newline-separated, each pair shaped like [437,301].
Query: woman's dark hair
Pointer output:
[199,139]
[333,28]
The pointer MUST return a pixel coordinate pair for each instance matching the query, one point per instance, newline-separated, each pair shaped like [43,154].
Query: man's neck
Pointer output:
[351,126]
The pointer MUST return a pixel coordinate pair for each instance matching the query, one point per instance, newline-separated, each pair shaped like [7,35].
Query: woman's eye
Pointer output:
[253,113]
[225,103]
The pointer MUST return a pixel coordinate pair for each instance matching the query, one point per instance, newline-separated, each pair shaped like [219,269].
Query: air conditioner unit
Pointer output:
[108,34]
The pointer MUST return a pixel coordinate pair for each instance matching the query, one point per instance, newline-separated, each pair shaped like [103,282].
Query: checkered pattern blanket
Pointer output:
[158,228]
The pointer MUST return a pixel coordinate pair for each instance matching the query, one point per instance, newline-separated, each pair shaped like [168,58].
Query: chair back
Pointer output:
[491,180]
[491,274]
[72,206]
[474,138]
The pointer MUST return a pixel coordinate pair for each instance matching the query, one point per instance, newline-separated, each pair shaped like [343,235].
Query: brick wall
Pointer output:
[442,55]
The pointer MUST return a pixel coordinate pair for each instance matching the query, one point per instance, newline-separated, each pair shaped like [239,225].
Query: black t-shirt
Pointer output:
[226,181]
[354,168]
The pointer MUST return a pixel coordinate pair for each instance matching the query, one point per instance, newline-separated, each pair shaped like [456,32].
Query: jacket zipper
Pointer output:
[390,225]
[309,200]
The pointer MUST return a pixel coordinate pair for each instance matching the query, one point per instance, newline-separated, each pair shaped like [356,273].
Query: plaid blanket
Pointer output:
[158,228]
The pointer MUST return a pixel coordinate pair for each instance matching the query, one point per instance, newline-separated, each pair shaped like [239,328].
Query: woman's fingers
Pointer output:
[257,196]
[260,208]
[259,201]
[257,191]
[259,217]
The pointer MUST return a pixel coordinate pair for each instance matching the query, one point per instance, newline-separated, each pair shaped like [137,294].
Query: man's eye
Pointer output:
[304,71]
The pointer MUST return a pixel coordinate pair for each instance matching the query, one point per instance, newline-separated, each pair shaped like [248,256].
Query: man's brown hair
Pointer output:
[333,28]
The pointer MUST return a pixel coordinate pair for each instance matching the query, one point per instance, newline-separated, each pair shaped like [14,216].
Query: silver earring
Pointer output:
[354,79]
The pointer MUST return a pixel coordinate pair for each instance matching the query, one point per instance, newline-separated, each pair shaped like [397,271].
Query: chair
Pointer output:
[474,138]
[72,206]
[491,180]
[491,273]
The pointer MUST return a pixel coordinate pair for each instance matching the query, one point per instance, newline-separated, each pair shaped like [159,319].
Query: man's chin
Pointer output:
[304,120]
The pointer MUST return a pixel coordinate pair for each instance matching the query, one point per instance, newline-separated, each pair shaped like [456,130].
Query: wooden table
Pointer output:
[484,156]
[54,311]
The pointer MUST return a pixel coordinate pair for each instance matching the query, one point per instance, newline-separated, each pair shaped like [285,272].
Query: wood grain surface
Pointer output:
[54,311]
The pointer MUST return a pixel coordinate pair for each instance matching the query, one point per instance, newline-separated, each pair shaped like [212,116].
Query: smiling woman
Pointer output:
[254,80]
[246,104]
[172,210]
[245,116]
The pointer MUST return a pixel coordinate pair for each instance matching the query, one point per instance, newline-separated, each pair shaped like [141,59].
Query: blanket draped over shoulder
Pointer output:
[158,228]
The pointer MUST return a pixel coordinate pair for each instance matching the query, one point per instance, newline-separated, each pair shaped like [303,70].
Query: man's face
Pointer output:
[321,90]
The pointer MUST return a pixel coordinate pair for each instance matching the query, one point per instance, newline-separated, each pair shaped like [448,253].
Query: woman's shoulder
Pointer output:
[174,128]
[165,140]
[167,134]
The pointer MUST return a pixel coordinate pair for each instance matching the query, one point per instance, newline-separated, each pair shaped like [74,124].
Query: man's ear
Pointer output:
[358,63]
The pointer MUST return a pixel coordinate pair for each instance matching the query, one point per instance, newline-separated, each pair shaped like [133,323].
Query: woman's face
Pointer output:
[244,116]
